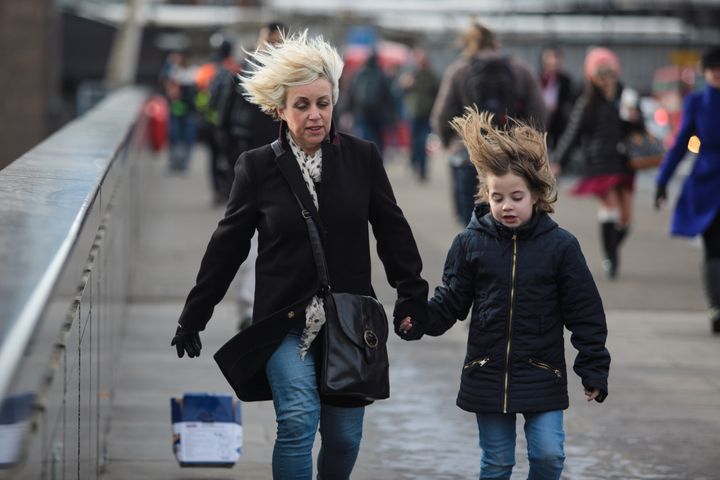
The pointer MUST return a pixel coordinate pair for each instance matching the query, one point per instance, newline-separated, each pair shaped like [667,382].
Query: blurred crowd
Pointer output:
[594,124]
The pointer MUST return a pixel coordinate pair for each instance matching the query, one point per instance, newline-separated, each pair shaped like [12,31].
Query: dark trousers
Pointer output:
[220,170]
[420,130]
[465,187]
[711,240]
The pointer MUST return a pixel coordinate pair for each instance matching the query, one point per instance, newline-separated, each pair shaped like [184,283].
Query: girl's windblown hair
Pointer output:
[516,148]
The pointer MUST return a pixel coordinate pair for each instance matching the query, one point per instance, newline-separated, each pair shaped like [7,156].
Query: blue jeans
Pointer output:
[299,412]
[182,137]
[545,437]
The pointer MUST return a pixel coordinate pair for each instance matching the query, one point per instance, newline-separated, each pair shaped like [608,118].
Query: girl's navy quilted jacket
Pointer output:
[525,286]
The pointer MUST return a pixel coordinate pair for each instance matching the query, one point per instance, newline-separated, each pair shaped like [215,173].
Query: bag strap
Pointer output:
[315,242]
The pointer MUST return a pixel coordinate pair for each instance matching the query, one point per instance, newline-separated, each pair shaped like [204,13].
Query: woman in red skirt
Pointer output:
[600,122]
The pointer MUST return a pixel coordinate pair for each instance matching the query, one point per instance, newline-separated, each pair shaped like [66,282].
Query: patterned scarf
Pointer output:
[311,169]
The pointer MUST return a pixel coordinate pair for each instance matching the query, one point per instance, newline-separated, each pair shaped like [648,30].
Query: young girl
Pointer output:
[526,279]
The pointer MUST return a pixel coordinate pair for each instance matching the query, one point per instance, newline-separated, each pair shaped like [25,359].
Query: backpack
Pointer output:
[491,85]
[371,94]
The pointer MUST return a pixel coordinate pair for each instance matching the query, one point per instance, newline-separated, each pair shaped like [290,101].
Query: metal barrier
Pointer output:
[68,225]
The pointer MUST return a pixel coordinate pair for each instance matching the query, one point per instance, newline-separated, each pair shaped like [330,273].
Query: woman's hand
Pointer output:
[186,341]
[408,331]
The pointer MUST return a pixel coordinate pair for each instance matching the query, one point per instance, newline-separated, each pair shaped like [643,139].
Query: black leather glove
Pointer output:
[660,196]
[186,341]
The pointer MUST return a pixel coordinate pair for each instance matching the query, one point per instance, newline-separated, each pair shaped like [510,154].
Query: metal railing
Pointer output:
[68,224]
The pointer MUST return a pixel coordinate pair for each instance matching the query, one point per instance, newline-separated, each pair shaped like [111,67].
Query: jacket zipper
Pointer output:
[545,366]
[480,362]
[509,329]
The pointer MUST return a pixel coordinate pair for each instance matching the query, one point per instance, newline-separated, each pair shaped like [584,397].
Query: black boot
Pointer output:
[609,237]
[712,290]
[621,234]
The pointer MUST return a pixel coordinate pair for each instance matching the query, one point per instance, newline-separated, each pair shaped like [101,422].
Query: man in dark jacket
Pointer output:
[243,126]
[371,102]
[558,93]
[480,45]
[420,88]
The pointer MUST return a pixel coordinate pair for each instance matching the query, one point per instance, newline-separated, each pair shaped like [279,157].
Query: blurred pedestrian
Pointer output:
[178,78]
[209,79]
[420,88]
[602,127]
[558,92]
[493,82]
[697,211]
[242,126]
[371,102]
[513,253]
[342,183]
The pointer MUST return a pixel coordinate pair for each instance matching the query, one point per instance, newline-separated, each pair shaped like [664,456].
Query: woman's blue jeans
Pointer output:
[545,437]
[299,412]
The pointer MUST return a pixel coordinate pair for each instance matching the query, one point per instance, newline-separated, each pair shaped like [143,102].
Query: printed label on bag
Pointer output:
[208,442]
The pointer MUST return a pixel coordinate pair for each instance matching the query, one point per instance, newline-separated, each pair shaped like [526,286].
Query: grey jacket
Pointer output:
[452,97]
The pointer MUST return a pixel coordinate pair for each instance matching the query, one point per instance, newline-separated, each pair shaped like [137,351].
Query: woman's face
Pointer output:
[605,79]
[712,76]
[511,202]
[308,113]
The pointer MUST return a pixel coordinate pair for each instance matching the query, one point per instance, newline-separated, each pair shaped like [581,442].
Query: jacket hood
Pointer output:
[482,220]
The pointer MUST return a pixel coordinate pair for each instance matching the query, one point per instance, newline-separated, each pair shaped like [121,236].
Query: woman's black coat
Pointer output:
[523,293]
[595,122]
[354,192]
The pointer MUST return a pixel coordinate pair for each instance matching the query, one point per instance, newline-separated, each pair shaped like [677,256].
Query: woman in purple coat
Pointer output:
[698,207]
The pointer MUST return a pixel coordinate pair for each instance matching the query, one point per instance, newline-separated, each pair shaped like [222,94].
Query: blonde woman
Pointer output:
[342,182]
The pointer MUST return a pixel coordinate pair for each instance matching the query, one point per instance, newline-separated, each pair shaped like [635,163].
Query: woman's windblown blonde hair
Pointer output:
[516,148]
[296,60]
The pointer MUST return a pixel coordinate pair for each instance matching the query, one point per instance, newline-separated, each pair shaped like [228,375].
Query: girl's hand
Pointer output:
[406,325]
[408,330]
[592,394]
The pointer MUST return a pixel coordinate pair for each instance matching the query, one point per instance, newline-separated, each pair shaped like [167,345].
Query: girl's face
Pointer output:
[308,113]
[511,202]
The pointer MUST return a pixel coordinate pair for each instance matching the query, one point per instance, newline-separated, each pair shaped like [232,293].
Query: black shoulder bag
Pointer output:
[353,360]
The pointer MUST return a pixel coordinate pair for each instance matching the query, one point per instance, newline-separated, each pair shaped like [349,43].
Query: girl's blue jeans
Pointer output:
[545,437]
[299,412]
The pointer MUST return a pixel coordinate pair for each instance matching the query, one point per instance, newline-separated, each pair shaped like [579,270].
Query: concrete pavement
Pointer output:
[661,420]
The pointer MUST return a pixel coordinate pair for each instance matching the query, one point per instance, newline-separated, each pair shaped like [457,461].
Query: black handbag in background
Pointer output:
[353,359]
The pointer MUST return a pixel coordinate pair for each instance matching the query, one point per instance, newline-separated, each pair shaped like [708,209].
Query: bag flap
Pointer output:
[362,319]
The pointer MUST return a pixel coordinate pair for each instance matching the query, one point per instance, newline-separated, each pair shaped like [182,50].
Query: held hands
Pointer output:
[186,341]
[408,330]
[594,394]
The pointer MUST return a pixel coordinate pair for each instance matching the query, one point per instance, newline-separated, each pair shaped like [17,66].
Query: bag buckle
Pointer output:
[371,340]
[306,213]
